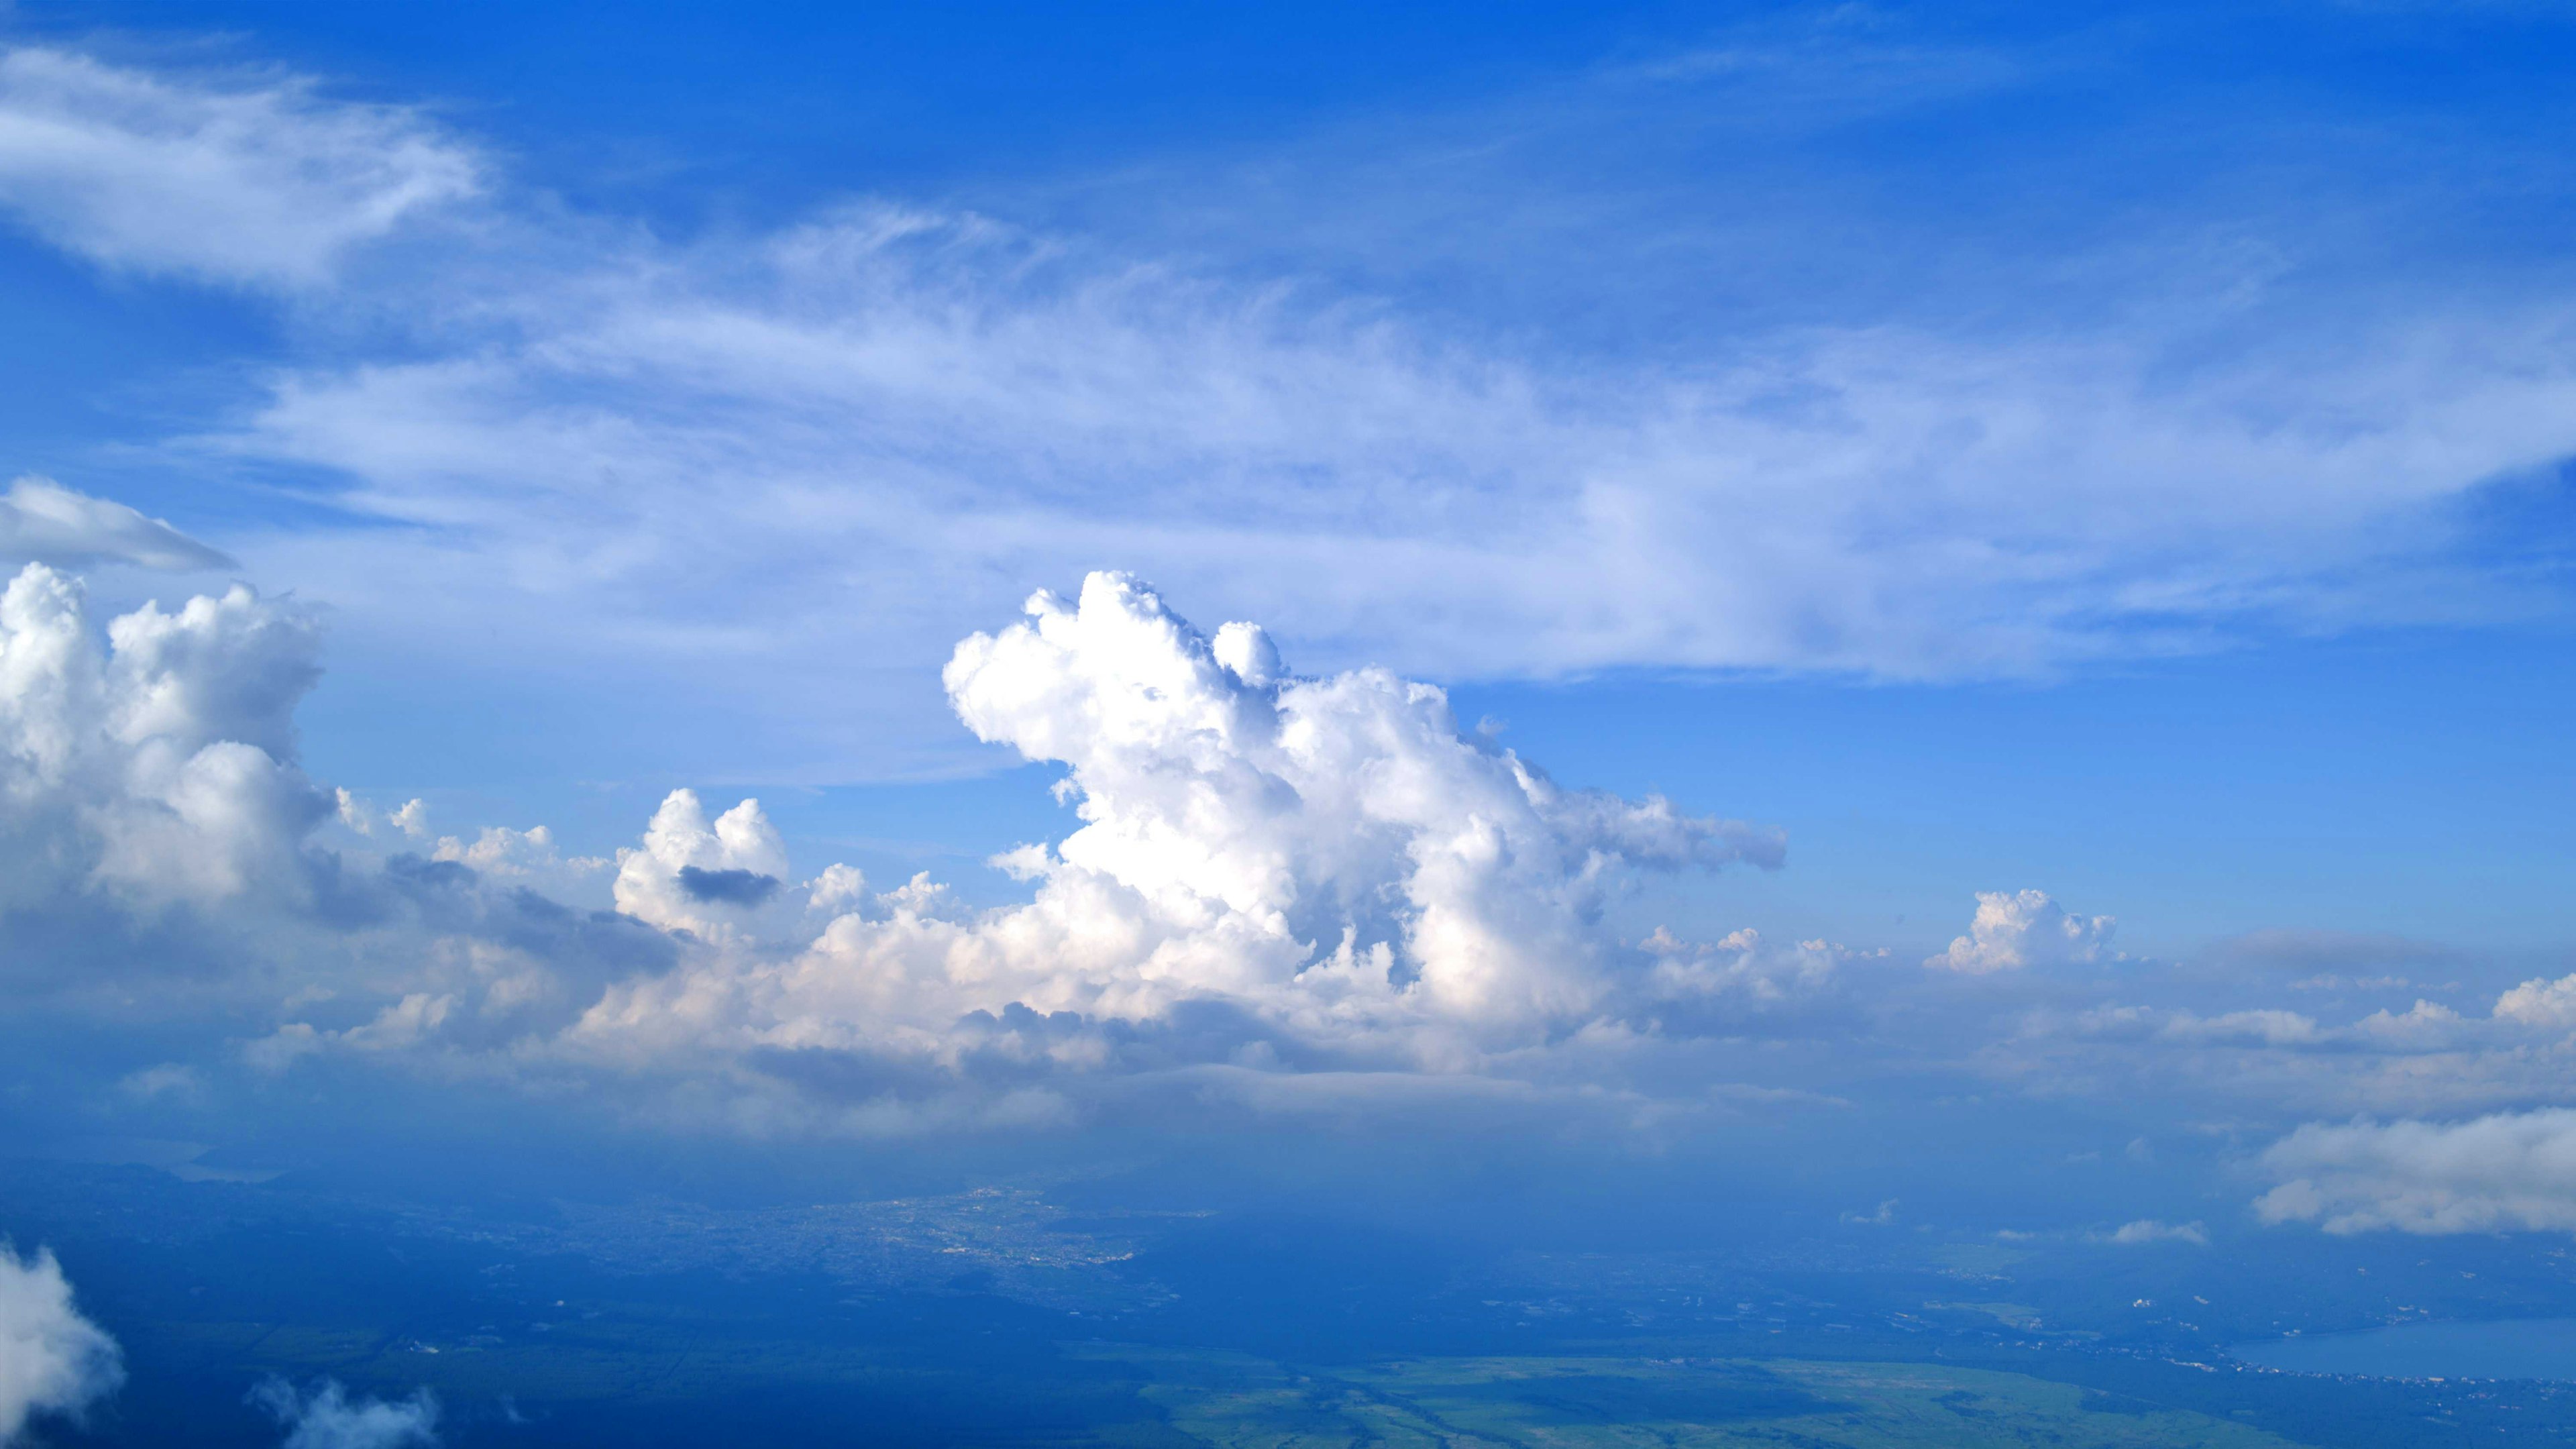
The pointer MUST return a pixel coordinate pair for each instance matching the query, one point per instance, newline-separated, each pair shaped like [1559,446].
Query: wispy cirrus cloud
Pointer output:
[860,433]
[241,179]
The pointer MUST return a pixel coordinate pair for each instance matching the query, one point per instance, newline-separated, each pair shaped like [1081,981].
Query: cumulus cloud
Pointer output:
[242,181]
[41,521]
[412,819]
[328,1418]
[2507,1171]
[2540,1002]
[692,875]
[162,767]
[52,1360]
[2014,931]
[1742,964]
[1329,860]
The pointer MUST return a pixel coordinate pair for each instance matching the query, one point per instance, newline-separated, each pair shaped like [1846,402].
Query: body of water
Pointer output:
[2528,1348]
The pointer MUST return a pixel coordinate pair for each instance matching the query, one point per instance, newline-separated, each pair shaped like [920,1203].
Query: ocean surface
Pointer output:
[2527,1348]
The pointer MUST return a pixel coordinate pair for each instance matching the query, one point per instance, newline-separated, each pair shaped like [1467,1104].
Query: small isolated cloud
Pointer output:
[2149,1230]
[52,1360]
[2262,1027]
[1883,1217]
[41,521]
[329,1418]
[2507,1171]
[172,1080]
[2014,931]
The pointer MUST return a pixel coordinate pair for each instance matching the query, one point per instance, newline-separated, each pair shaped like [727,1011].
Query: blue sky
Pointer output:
[2028,551]
[2190,214]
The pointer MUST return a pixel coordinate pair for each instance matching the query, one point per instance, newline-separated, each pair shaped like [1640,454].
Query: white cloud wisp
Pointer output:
[259,182]
[43,522]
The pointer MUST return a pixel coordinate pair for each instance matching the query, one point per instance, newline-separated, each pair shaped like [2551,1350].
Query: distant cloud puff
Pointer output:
[2013,931]
[2149,1230]
[52,1360]
[329,1418]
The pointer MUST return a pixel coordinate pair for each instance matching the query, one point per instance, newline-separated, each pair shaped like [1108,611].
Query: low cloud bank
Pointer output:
[52,1360]
[2507,1171]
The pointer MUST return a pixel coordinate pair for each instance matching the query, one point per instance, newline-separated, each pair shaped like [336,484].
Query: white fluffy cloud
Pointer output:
[2540,1002]
[328,1418]
[52,1360]
[2013,931]
[1331,858]
[2511,1170]
[162,767]
[690,875]
[261,182]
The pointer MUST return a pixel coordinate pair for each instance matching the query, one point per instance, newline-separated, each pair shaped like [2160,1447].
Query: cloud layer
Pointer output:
[2506,1172]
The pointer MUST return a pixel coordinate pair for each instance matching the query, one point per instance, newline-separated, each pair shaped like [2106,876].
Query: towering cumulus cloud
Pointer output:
[1329,864]
[52,1360]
